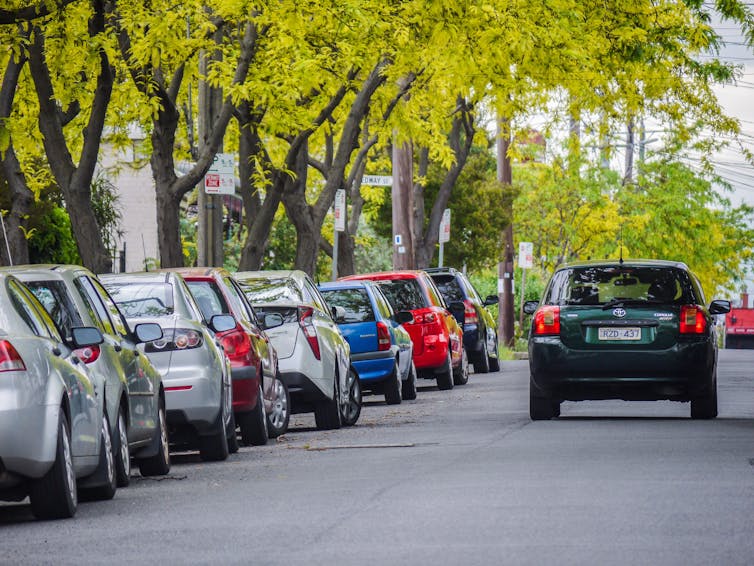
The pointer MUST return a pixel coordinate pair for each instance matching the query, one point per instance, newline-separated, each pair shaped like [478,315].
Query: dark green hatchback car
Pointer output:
[633,330]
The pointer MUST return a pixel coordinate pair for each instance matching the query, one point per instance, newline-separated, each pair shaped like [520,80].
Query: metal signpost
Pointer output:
[444,233]
[525,261]
[339,212]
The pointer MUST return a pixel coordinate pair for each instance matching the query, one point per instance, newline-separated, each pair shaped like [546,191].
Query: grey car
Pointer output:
[195,371]
[134,395]
[54,431]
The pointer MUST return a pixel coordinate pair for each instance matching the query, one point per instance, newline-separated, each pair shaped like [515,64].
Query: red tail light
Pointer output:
[88,354]
[426,318]
[469,313]
[547,320]
[692,320]
[306,322]
[10,360]
[237,346]
[383,337]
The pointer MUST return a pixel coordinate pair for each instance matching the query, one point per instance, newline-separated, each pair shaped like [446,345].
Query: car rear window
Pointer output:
[449,288]
[265,291]
[403,294]
[142,299]
[599,285]
[289,314]
[356,303]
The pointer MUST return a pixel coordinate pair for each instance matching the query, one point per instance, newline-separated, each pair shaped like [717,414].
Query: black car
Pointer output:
[633,330]
[479,328]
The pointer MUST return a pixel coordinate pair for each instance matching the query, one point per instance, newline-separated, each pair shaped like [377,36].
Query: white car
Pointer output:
[313,356]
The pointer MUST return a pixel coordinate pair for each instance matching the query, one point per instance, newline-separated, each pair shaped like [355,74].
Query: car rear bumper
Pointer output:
[28,441]
[303,391]
[472,340]
[434,355]
[192,396]
[677,373]
[245,388]
[373,367]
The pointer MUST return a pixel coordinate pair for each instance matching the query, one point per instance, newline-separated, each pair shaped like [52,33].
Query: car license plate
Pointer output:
[623,333]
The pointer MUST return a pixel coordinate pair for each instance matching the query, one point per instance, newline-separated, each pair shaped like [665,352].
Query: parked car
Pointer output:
[195,371]
[134,398]
[435,332]
[54,431]
[313,355]
[381,349]
[260,398]
[632,330]
[479,327]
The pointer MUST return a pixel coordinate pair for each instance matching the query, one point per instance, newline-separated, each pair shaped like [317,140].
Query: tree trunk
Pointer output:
[169,228]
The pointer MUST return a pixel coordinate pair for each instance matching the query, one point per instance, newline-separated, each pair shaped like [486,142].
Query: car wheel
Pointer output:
[53,496]
[540,408]
[445,378]
[494,361]
[277,420]
[482,360]
[233,445]
[213,447]
[408,389]
[122,452]
[159,464]
[105,468]
[393,387]
[327,413]
[461,373]
[705,407]
[352,405]
[254,423]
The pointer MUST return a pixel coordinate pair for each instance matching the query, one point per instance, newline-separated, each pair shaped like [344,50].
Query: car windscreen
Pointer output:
[600,285]
[403,294]
[449,287]
[142,299]
[355,302]
[275,290]
[57,303]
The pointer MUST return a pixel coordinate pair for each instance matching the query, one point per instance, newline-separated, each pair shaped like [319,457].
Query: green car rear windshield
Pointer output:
[603,284]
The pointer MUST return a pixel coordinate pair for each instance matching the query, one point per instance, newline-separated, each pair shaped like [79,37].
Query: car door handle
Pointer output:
[56,351]
[118,347]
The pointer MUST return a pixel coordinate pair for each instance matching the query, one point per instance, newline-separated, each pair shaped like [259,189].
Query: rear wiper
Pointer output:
[621,302]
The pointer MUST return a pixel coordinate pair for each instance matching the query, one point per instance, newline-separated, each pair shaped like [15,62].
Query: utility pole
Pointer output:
[505,267]
[403,206]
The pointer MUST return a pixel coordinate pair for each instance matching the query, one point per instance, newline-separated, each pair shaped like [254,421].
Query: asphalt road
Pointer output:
[459,477]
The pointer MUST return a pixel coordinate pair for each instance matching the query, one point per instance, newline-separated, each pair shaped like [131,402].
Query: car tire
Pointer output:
[482,360]
[445,378]
[105,468]
[327,413]
[705,407]
[122,451]
[408,388]
[351,409]
[277,420]
[495,361]
[53,496]
[213,447]
[159,464]
[461,373]
[233,445]
[393,394]
[540,407]
[254,423]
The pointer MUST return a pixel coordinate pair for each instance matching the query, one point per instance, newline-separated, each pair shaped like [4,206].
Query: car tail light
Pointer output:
[547,320]
[692,320]
[383,337]
[10,360]
[88,354]
[175,339]
[469,313]
[306,322]
[425,318]
[237,345]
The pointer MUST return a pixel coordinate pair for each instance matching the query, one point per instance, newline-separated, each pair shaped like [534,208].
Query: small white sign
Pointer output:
[525,255]
[340,210]
[221,177]
[445,226]
[377,180]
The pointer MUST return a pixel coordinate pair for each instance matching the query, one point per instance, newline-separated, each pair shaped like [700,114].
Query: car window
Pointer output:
[355,302]
[97,310]
[595,285]
[382,303]
[471,291]
[403,294]
[54,297]
[269,291]
[208,297]
[116,316]
[142,299]
[246,310]
[449,287]
[434,294]
[315,297]
[28,307]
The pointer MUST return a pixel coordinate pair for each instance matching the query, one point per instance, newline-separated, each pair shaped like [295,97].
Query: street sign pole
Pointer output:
[444,234]
[525,261]
[339,225]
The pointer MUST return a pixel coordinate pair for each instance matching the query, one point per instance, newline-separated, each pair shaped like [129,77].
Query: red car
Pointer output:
[437,336]
[261,403]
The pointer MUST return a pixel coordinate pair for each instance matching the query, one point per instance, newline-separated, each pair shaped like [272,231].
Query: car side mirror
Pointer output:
[404,317]
[222,323]
[82,336]
[148,332]
[273,320]
[530,307]
[719,306]
[458,310]
[491,300]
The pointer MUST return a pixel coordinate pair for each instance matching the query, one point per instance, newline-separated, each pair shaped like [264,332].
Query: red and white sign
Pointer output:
[525,255]
[221,177]
[445,226]
[339,212]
